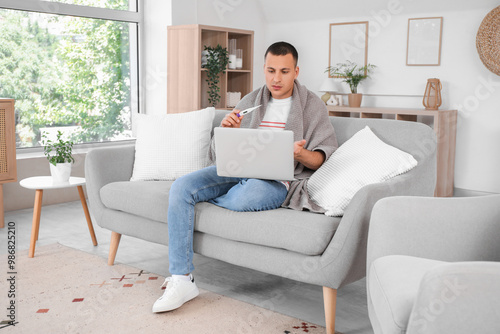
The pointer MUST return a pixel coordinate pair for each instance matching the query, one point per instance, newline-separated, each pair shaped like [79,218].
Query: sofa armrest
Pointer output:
[459,297]
[446,229]
[103,166]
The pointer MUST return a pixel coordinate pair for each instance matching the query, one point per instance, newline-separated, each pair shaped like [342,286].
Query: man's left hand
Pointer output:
[298,147]
[310,159]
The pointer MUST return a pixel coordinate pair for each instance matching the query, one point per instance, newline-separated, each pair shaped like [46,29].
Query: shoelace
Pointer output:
[165,283]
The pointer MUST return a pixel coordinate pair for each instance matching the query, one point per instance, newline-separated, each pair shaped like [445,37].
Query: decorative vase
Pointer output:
[60,172]
[355,100]
[232,54]
[432,95]
[204,55]
[340,99]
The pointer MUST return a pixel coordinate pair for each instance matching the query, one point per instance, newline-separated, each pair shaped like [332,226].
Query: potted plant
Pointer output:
[352,75]
[217,60]
[59,154]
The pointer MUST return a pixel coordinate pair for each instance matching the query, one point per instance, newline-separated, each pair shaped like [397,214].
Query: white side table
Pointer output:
[41,183]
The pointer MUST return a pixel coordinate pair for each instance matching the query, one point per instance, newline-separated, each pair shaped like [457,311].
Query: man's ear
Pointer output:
[296,72]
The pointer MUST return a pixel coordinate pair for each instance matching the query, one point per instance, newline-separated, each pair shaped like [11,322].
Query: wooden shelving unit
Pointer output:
[186,79]
[8,171]
[444,125]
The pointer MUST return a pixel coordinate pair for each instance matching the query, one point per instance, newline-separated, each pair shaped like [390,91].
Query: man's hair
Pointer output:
[282,49]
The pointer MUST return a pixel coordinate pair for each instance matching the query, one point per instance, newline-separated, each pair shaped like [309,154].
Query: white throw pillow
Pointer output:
[171,145]
[363,159]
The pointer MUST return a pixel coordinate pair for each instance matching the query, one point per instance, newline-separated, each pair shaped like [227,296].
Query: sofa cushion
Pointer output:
[393,286]
[147,199]
[298,231]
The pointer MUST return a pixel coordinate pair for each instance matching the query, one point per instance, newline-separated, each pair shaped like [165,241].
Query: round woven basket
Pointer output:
[488,41]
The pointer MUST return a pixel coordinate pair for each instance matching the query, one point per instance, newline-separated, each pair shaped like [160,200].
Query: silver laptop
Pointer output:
[254,153]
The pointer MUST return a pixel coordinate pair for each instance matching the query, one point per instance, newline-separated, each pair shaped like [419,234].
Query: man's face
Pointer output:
[280,73]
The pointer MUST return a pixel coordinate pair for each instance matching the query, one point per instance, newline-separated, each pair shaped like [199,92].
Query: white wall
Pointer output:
[467,85]
[158,15]
[184,12]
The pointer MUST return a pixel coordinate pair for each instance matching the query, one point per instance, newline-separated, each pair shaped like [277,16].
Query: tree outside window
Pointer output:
[66,73]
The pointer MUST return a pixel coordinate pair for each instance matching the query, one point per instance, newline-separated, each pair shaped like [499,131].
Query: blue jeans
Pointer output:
[204,185]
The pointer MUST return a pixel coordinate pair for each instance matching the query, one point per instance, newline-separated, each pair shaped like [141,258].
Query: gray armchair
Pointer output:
[430,265]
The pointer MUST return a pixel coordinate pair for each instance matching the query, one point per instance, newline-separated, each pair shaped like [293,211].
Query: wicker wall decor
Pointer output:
[488,41]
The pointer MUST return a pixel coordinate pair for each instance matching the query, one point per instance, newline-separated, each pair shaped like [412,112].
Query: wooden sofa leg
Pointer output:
[113,247]
[330,300]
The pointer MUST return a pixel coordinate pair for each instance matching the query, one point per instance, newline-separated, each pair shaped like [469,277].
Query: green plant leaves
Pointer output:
[217,60]
[351,73]
[59,151]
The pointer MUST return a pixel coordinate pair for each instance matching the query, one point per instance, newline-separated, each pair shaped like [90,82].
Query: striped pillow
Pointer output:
[363,159]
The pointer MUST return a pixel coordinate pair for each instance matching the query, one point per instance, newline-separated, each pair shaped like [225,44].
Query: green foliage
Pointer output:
[27,74]
[78,76]
[217,60]
[351,73]
[59,151]
[98,91]
[111,4]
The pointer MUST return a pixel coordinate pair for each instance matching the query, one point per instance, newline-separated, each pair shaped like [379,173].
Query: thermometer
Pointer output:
[246,111]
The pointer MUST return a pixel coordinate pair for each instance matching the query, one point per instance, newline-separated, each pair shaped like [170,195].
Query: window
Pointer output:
[70,66]
[111,4]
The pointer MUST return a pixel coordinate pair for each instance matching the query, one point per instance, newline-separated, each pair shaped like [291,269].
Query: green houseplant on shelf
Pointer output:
[217,60]
[59,154]
[352,74]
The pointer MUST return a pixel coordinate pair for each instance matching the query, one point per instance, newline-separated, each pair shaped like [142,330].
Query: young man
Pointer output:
[285,105]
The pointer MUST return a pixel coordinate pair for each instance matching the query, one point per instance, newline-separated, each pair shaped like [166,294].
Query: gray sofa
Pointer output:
[303,246]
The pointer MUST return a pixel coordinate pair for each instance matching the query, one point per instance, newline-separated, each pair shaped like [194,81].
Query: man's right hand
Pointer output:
[232,120]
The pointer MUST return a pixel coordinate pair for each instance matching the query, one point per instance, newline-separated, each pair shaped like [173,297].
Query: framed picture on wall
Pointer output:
[348,42]
[423,46]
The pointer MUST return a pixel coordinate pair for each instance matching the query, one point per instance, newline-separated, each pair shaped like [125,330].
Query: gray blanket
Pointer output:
[308,119]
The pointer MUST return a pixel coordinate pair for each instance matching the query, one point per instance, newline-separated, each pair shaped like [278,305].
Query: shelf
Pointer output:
[394,111]
[212,38]
[204,92]
[370,115]
[230,71]
[187,86]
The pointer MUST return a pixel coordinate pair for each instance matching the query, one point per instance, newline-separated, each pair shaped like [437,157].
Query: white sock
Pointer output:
[182,277]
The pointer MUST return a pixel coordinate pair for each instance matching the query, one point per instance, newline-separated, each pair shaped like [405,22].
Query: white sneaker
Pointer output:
[177,293]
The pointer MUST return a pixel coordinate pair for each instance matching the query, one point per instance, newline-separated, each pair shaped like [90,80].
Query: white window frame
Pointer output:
[136,15]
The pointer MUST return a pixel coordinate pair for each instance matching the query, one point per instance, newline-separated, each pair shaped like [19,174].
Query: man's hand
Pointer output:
[232,120]
[311,159]
[298,148]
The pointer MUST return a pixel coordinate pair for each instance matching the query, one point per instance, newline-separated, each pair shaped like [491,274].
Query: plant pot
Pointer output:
[355,100]
[60,172]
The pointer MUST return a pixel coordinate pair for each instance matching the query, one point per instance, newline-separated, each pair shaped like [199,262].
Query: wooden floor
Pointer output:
[66,224]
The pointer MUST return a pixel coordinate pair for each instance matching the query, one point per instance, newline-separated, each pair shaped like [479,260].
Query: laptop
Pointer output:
[254,153]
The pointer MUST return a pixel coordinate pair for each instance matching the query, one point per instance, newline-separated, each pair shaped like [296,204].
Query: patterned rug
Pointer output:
[63,290]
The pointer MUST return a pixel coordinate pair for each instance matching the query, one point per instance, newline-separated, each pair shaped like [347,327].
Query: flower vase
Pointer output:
[355,100]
